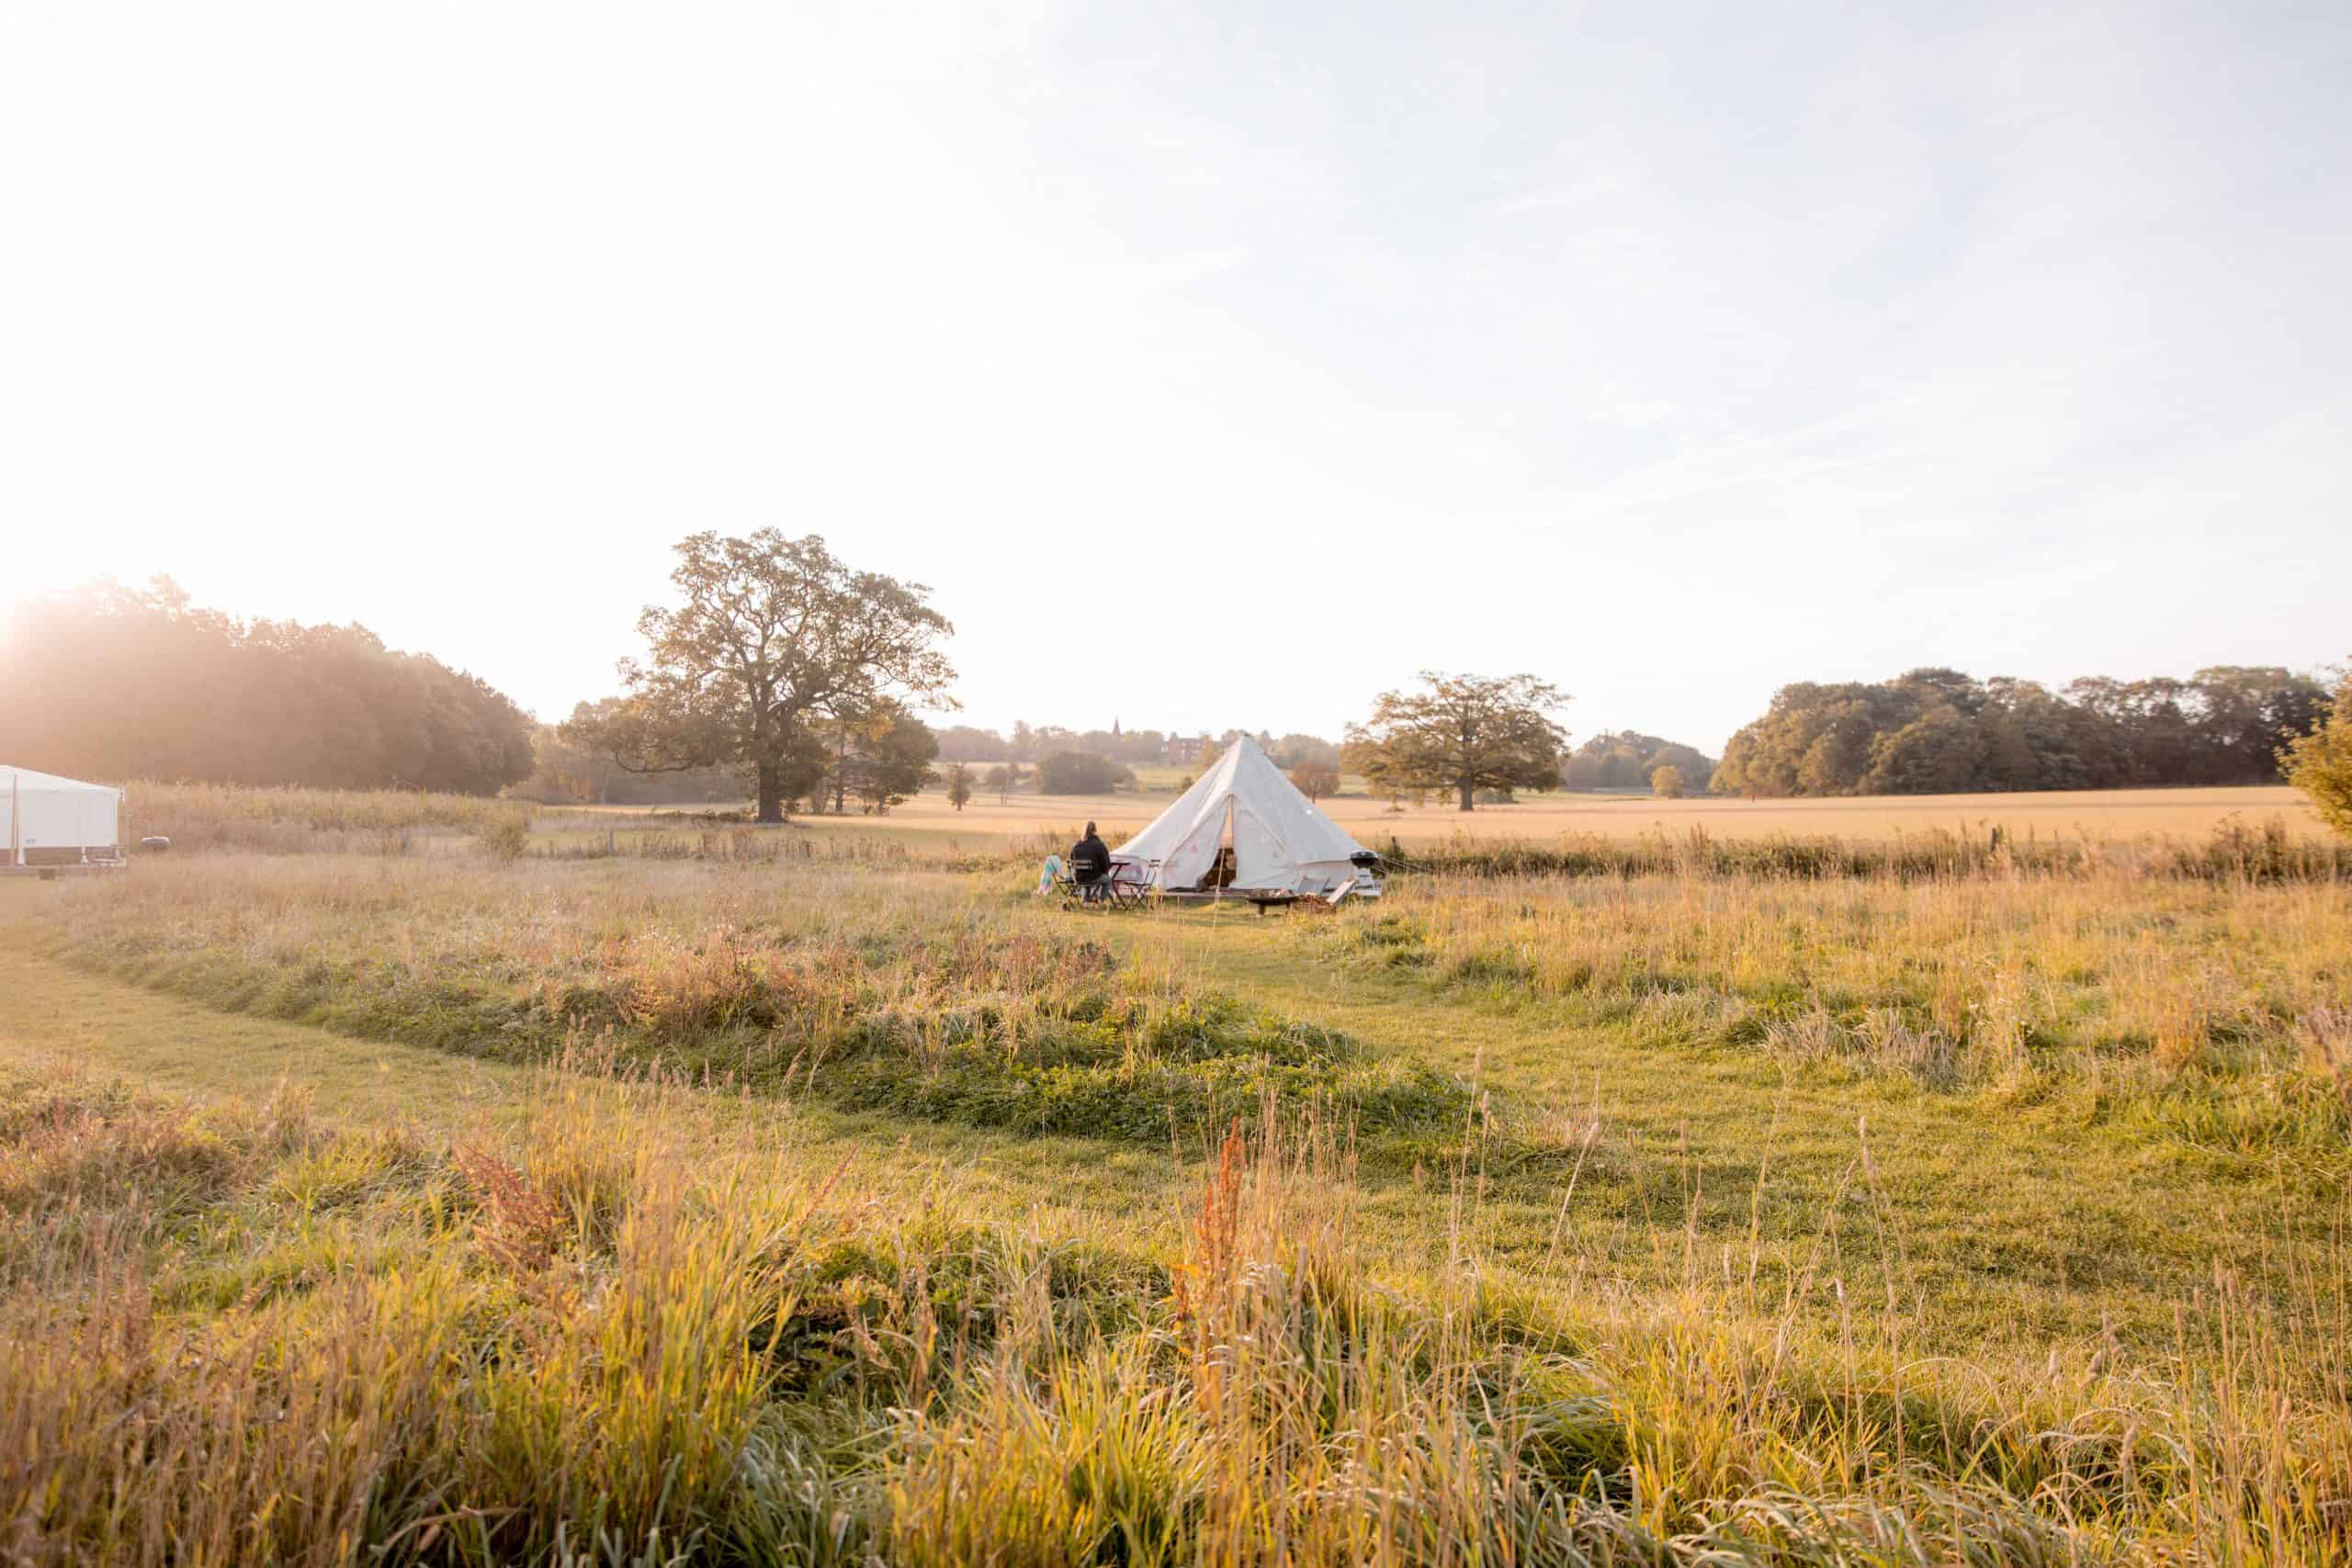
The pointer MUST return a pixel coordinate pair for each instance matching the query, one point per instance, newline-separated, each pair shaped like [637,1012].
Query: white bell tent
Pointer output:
[1281,842]
[49,821]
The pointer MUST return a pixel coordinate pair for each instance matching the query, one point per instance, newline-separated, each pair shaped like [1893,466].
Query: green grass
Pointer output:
[2025,1215]
[1635,1280]
[621,1318]
[2040,1205]
[926,1006]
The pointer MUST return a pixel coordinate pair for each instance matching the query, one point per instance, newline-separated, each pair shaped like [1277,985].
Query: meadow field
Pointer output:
[426,1188]
[2094,814]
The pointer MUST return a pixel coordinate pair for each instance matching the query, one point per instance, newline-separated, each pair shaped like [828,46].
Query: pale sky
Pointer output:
[1215,365]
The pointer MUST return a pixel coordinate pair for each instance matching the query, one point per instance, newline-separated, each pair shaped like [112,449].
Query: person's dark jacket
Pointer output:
[1089,858]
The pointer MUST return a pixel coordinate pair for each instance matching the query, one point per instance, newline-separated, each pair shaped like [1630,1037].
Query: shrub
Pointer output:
[1666,782]
[506,837]
[2319,763]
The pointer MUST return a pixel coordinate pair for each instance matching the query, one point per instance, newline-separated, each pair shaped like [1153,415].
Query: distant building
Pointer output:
[1179,750]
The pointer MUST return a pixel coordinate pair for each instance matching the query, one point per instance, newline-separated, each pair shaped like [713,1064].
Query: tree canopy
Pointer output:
[1465,733]
[1935,731]
[1315,779]
[1626,759]
[773,638]
[564,771]
[880,759]
[1080,773]
[1004,778]
[115,683]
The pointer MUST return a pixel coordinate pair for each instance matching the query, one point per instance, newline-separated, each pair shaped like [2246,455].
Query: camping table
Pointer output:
[1117,891]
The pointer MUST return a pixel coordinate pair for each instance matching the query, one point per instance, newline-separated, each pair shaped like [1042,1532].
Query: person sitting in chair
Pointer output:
[1090,863]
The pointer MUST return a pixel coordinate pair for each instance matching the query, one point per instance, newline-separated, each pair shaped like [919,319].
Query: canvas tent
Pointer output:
[49,821]
[1281,841]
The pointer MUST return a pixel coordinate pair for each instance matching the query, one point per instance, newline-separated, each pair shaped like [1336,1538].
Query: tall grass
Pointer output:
[923,996]
[623,1318]
[2215,1006]
[632,1326]
[737,846]
[256,820]
[2238,851]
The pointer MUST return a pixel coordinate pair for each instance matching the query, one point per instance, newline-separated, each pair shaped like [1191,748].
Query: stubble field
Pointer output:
[656,1191]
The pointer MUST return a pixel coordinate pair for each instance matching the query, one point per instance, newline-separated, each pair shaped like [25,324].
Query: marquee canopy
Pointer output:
[43,814]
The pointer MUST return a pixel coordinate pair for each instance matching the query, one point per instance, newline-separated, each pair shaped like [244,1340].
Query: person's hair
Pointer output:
[1090,830]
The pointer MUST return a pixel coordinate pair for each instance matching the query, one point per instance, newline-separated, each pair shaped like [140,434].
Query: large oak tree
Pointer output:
[1464,733]
[774,638]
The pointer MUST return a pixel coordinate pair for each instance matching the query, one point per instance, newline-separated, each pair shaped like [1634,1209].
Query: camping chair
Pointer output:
[1123,886]
[1061,879]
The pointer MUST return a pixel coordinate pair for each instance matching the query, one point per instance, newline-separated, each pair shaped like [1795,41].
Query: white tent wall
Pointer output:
[1258,846]
[1190,860]
[45,820]
[1282,841]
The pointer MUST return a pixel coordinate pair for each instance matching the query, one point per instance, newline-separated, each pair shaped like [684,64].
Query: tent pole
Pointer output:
[1223,840]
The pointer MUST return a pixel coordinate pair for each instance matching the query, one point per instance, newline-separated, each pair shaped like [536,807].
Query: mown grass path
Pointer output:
[51,1013]
[49,1010]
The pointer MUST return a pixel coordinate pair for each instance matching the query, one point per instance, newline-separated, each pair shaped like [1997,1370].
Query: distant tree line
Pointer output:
[1936,731]
[564,774]
[1034,743]
[1628,760]
[1054,760]
[115,683]
[870,764]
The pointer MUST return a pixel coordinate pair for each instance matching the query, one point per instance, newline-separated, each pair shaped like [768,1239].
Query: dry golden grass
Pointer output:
[1987,1215]
[2098,814]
